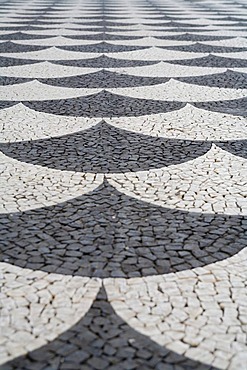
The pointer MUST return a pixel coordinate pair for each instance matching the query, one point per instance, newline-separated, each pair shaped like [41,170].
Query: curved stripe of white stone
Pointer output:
[189,123]
[229,33]
[180,91]
[74,26]
[196,16]
[56,41]
[150,54]
[169,91]
[45,70]
[37,307]
[7,20]
[73,13]
[228,28]
[164,69]
[213,183]
[64,41]
[151,41]
[51,53]
[140,20]
[38,91]
[156,53]
[60,32]
[69,20]
[205,21]
[20,123]
[25,186]
[199,313]
[144,33]
[143,27]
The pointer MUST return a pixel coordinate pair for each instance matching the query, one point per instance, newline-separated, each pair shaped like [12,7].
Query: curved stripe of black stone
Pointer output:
[193,37]
[106,79]
[183,29]
[212,61]
[102,80]
[11,47]
[238,147]
[21,28]
[106,104]
[103,36]
[104,23]
[228,79]
[237,19]
[102,47]
[105,149]
[237,107]
[102,340]
[103,104]
[6,81]
[242,25]
[6,104]
[174,24]
[106,233]
[10,62]
[202,48]
[23,36]
[99,62]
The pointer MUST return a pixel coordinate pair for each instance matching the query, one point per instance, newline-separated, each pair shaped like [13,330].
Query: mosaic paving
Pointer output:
[123,159]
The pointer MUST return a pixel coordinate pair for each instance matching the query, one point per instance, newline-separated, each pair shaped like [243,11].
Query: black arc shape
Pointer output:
[238,147]
[104,61]
[103,79]
[106,233]
[6,104]
[193,37]
[201,48]
[21,28]
[22,36]
[102,47]
[104,104]
[236,107]
[184,30]
[103,36]
[212,61]
[229,79]
[10,62]
[11,47]
[102,340]
[105,149]
[5,81]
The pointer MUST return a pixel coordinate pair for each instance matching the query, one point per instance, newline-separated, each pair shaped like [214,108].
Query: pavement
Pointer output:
[123,160]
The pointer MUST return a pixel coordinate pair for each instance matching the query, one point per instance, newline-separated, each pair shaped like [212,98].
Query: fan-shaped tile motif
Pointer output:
[123,166]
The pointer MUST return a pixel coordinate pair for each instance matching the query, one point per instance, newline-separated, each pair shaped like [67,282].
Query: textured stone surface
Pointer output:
[123,192]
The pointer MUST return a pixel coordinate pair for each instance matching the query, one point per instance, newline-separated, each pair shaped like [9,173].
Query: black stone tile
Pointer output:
[107,233]
[102,79]
[229,79]
[104,62]
[77,348]
[104,104]
[105,149]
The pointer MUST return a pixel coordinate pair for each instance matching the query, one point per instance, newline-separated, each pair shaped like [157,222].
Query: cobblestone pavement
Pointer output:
[123,159]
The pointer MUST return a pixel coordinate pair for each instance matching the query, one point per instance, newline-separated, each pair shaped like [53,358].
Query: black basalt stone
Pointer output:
[102,340]
[106,233]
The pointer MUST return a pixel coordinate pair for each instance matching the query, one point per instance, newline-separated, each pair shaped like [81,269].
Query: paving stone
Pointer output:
[123,166]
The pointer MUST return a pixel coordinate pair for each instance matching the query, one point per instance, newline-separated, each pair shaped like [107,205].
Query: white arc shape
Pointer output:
[180,91]
[213,183]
